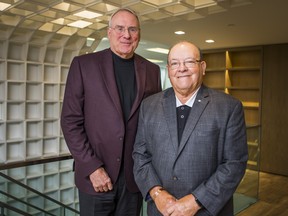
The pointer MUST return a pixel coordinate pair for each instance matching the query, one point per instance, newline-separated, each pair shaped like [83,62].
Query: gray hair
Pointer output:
[127,10]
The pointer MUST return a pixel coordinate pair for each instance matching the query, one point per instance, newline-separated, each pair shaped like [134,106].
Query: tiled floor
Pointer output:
[273,197]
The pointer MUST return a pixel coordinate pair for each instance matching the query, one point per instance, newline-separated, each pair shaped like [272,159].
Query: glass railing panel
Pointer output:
[40,189]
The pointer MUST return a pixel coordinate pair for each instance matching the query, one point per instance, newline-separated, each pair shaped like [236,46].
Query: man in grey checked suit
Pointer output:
[198,172]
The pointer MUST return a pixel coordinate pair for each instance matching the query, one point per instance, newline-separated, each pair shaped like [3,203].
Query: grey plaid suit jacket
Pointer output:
[209,162]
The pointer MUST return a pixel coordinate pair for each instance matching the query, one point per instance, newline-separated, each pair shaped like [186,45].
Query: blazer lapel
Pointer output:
[140,74]
[109,79]
[169,107]
[201,101]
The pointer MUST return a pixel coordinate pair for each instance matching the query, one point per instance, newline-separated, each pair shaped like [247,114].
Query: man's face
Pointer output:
[185,69]
[124,34]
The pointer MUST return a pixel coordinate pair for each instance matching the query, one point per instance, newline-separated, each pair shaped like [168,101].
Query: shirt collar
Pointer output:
[190,102]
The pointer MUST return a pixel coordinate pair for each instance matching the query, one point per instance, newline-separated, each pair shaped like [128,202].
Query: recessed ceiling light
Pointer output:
[3,6]
[88,14]
[209,41]
[179,32]
[159,50]
[80,24]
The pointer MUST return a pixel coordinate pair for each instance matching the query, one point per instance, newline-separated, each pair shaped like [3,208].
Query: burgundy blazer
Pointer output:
[92,120]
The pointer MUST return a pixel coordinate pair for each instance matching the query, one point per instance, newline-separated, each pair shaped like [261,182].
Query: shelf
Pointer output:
[33,91]
[51,110]
[249,58]
[252,105]
[33,148]
[66,180]
[253,134]
[68,55]
[51,128]
[17,51]
[51,92]
[14,131]
[3,151]
[3,76]
[215,79]
[34,171]
[63,149]
[33,110]
[243,79]
[2,111]
[3,49]
[50,205]
[36,53]
[35,201]
[16,91]
[245,95]
[17,173]
[244,69]
[253,144]
[15,111]
[215,60]
[51,168]
[34,130]
[15,151]
[65,196]
[252,163]
[53,55]
[51,182]
[65,165]
[64,74]
[34,72]
[2,91]
[35,182]
[50,147]
[62,91]
[51,74]
[15,71]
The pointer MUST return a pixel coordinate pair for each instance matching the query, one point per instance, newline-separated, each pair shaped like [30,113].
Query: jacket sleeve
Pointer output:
[72,122]
[219,188]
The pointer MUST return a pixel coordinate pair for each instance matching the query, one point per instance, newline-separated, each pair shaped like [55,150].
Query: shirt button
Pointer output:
[182,108]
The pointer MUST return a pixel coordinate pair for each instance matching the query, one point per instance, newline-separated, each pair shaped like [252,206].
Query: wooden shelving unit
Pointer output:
[238,72]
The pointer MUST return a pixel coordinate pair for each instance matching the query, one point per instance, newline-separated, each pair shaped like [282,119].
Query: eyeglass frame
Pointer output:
[178,64]
[121,29]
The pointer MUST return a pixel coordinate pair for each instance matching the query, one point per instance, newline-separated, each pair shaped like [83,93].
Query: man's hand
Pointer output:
[100,180]
[163,201]
[186,206]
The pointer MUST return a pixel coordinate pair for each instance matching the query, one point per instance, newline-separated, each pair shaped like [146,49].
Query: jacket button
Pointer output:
[175,178]
[118,159]
[121,138]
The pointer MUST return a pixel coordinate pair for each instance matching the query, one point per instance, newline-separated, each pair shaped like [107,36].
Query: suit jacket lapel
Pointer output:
[140,74]
[109,79]
[201,101]
[169,107]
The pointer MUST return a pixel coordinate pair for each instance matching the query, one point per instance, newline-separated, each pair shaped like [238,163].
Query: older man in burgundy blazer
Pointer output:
[99,119]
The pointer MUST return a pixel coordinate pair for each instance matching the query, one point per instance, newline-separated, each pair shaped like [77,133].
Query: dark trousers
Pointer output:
[118,202]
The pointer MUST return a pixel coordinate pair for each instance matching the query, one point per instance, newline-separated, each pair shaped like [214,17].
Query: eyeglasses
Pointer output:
[188,64]
[121,29]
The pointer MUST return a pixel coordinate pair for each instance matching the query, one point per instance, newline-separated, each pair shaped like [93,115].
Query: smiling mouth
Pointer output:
[178,77]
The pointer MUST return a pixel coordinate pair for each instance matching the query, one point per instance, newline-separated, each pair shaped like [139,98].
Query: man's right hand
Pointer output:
[101,180]
[164,201]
